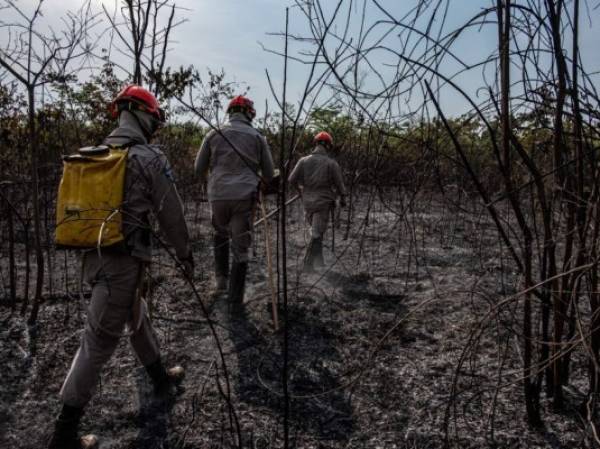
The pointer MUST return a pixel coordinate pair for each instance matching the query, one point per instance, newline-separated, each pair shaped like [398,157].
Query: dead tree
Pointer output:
[143,29]
[543,214]
[29,57]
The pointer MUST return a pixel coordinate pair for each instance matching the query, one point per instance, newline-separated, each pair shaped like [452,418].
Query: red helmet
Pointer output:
[323,137]
[243,104]
[139,98]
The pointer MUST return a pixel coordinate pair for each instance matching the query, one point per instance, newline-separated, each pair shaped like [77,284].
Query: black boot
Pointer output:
[165,381]
[66,429]
[308,258]
[318,253]
[221,252]
[314,255]
[237,284]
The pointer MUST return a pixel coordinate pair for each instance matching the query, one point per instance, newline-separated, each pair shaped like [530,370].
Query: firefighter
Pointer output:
[114,272]
[318,178]
[233,160]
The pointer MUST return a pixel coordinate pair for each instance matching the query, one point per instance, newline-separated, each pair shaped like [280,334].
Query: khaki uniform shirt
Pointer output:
[320,178]
[149,188]
[220,157]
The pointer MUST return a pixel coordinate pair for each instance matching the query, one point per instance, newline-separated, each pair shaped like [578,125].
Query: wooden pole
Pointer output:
[333,224]
[269,262]
[270,214]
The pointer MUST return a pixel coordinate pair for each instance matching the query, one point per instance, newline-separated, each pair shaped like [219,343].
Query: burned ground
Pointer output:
[374,345]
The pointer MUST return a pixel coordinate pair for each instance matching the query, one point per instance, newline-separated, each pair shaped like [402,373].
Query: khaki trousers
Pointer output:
[233,219]
[114,278]
[318,219]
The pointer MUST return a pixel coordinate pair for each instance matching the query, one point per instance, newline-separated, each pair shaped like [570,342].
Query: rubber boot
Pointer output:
[237,284]
[318,261]
[165,381]
[66,429]
[221,253]
[309,256]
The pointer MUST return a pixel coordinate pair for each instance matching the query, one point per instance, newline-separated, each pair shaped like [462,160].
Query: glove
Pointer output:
[188,266]
[272,186]
[343,202]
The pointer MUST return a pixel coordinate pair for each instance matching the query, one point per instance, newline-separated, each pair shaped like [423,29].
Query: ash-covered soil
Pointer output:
[374,344]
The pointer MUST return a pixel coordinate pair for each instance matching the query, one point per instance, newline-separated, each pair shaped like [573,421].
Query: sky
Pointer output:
[230,35]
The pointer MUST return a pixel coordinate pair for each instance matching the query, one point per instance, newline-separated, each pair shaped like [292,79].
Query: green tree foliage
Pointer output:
[75,114]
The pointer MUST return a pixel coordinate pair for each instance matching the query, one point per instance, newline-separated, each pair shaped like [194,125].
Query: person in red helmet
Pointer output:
[318,178]
[233,160]
[114,272]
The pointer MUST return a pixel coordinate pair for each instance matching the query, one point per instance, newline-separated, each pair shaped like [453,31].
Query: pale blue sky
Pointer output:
[226,34]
